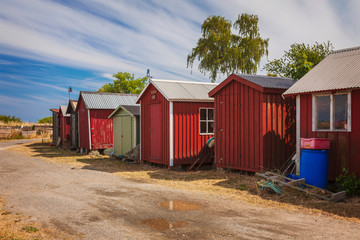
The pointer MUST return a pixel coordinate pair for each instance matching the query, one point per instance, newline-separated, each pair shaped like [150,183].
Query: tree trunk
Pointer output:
[226,69]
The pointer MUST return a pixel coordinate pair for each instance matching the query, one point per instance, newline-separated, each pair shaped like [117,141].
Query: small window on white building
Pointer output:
[332,112]
[206,120]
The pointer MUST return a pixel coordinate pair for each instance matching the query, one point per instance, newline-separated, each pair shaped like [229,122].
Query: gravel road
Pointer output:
[98,205]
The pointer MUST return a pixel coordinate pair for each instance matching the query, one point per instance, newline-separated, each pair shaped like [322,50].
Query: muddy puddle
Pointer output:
[180,205]
[161,224]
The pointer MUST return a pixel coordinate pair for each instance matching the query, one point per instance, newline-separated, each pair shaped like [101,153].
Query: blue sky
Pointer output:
[47,46]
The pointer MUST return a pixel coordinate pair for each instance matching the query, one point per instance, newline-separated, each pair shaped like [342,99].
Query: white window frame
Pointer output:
[332,112]
[207,121]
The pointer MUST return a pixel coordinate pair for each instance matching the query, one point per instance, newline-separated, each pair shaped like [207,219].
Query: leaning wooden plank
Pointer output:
[325,197]
[309,189]
[261,175]
[338,196]
[297,181]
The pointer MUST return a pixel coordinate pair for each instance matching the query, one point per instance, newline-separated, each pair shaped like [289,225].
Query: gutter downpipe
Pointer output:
[171,133]
[298,134]
[89,129]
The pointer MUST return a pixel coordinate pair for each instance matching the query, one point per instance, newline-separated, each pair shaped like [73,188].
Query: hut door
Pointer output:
[73,130]
[155,129]
[126,136]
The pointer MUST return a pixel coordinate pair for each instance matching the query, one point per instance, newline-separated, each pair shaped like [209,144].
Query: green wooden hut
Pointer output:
[126,128]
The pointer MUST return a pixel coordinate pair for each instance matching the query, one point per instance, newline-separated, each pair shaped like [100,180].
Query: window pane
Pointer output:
[203,114]
[340,111]
[202,127]
[323,112]
[210,114]
[210,127]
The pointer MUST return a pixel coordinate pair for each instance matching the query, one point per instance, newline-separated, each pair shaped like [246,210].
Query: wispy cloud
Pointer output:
[22,82]
[107,36]
[5,62]
[53,100]
[62,35]
[108,76]
[127,36]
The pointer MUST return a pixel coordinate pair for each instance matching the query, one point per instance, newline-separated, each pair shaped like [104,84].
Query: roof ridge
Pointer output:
[179,81]
[108,93]
[345,50]
[262,76]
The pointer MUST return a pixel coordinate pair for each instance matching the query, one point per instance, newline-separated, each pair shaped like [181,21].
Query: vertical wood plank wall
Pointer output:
[64,127]
[254,130]
[101,128]
[345,146]
[56,126]
[83,125]
[146,143]
[187,139]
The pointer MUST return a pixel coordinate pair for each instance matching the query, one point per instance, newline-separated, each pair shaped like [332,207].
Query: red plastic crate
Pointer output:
[315,143]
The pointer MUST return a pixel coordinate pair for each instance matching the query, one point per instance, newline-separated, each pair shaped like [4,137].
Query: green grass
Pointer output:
[30,229]
[242,187]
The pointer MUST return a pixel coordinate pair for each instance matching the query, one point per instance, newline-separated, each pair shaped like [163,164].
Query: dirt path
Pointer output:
[97,205]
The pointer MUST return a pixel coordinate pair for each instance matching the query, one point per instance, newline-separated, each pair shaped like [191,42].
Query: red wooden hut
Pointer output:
[56,124]
[74,133]
[327,104]
[95,129]
[176,121]
[254,125]
[64,120]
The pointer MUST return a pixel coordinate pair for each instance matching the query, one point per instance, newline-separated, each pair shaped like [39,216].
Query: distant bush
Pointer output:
[8,119]
[16,135]
[349,183]
[46,120]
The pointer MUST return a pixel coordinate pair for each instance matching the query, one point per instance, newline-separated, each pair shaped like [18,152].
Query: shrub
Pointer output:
[349,183]
[46,120]
[8,119]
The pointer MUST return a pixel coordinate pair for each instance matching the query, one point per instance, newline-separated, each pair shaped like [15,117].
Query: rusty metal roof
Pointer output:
[339,70]
[183,91]
[268,82]
[100,100]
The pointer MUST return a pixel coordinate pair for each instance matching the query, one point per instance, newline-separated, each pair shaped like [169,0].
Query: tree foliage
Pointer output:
[124,83]
[9,119]
[299,60]
[219,50]
[46,120]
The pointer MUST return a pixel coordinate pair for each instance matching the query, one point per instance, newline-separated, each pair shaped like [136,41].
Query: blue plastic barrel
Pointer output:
[314,166]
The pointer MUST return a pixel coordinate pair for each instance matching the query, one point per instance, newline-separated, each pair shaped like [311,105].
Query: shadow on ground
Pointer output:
[350,207]
[231,180]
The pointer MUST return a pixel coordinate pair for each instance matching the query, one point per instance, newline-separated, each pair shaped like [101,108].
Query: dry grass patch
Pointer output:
[232,184]
[14,124]
[15,226]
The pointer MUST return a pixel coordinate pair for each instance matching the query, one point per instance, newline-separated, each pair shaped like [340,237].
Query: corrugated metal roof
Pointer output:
[63,109]
[268,82]
[99,100]
[184,91]
[134,110]
[339,70]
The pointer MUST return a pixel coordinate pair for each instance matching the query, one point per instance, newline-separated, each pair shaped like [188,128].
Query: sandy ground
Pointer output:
[87,204]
